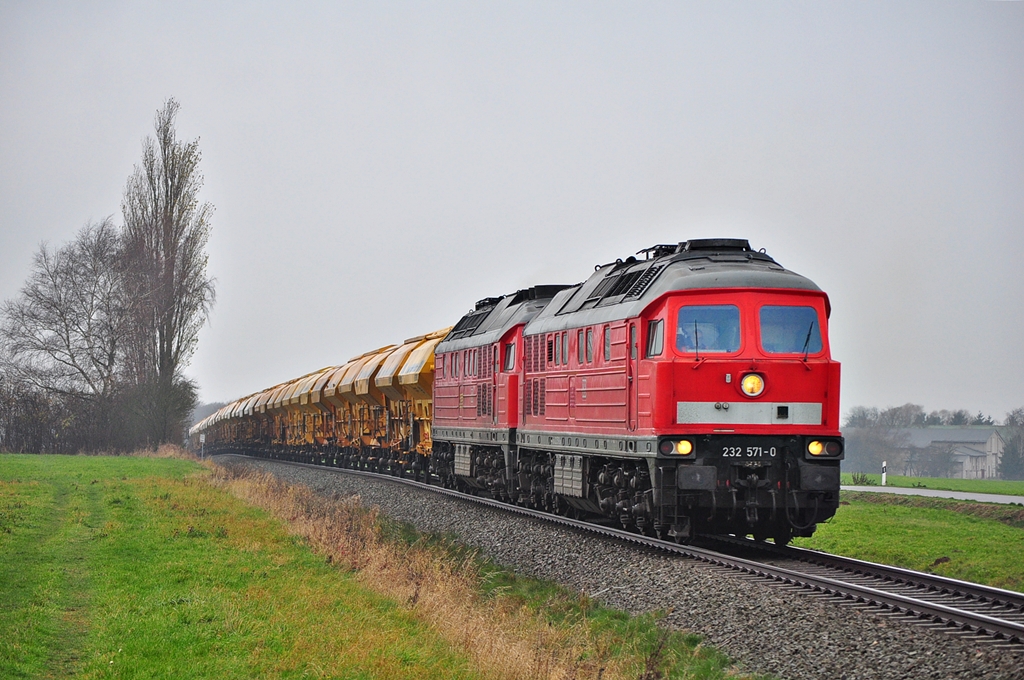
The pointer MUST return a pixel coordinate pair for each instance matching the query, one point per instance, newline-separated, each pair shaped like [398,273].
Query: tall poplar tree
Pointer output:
[166,230]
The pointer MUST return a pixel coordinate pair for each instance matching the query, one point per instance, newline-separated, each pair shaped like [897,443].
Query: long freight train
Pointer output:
[687,391]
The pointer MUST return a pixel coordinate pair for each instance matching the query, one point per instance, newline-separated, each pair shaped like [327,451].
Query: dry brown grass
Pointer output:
[504,639]
[164,451]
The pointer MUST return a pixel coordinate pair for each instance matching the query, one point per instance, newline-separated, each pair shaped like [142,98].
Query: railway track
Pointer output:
[983,613]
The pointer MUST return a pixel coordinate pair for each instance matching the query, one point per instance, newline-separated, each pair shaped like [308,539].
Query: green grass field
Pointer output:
[120,567]
[1006,487]
[143,568]
[979,542]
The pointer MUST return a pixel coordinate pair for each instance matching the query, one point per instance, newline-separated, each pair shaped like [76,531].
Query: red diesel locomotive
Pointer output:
[691,391]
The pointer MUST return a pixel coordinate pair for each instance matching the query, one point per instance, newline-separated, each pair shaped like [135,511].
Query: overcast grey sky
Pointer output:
[378,167]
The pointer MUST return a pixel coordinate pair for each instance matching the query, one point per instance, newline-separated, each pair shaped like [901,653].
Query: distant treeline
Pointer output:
[92,348]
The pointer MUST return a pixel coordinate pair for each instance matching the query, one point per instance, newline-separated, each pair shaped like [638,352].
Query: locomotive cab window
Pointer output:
[708,328]
[510,356]
[655,337]
[790,330]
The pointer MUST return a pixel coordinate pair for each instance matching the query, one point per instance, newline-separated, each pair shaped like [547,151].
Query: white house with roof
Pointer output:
[975,451]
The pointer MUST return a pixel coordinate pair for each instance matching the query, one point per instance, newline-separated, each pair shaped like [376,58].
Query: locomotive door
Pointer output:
[631,400]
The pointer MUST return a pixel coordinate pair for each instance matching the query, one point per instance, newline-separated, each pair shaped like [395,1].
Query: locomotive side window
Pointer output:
[607,343]
[590,345]
[632,341]
[565,348]
[655,337]
[708,328]
[790,330]
[510,356]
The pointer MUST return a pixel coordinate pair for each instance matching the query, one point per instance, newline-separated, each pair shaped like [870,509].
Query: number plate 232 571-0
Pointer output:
[750,449]
[749,452]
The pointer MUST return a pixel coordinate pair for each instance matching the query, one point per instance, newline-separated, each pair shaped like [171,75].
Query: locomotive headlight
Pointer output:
[678,447]
[752,385]
[815,448]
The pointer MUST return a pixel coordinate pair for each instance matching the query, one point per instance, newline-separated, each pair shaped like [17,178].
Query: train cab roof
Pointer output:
[493,316]
[624,288]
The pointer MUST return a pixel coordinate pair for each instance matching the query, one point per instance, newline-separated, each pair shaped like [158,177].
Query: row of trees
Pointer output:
[92,349]
[913,415]
[874,435]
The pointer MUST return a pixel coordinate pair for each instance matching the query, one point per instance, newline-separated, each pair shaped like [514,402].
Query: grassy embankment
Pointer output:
[980,542]
[156,567]
[1006,487]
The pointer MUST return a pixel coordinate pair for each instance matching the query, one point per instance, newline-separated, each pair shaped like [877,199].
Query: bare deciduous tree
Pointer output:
[64,332]
[166,232]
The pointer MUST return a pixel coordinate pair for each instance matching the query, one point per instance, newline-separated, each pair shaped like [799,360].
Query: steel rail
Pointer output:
[950,617]
[899,576]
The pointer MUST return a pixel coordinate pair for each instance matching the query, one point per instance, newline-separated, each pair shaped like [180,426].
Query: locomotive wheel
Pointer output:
[783,534]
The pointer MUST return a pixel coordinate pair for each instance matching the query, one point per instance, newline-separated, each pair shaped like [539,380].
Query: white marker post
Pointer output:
[202,447]
[883,473]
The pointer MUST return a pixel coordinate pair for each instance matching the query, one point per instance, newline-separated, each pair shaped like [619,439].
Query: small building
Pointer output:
[975,451]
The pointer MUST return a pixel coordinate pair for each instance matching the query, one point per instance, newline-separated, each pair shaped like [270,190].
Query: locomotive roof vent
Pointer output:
[545,292]
[722,250]
[660,250]
[717,244]
[488,302]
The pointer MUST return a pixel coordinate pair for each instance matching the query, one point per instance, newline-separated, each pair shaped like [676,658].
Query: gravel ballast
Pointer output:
[764,627]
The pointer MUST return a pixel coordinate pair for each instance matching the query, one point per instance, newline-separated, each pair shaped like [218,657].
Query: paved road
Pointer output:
[935,493]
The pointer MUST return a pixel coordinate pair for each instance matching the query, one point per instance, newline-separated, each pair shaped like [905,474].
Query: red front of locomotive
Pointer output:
[739,361]
[740,389]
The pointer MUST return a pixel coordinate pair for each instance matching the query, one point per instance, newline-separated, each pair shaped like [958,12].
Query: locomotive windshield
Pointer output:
[708,328]
[790,330]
